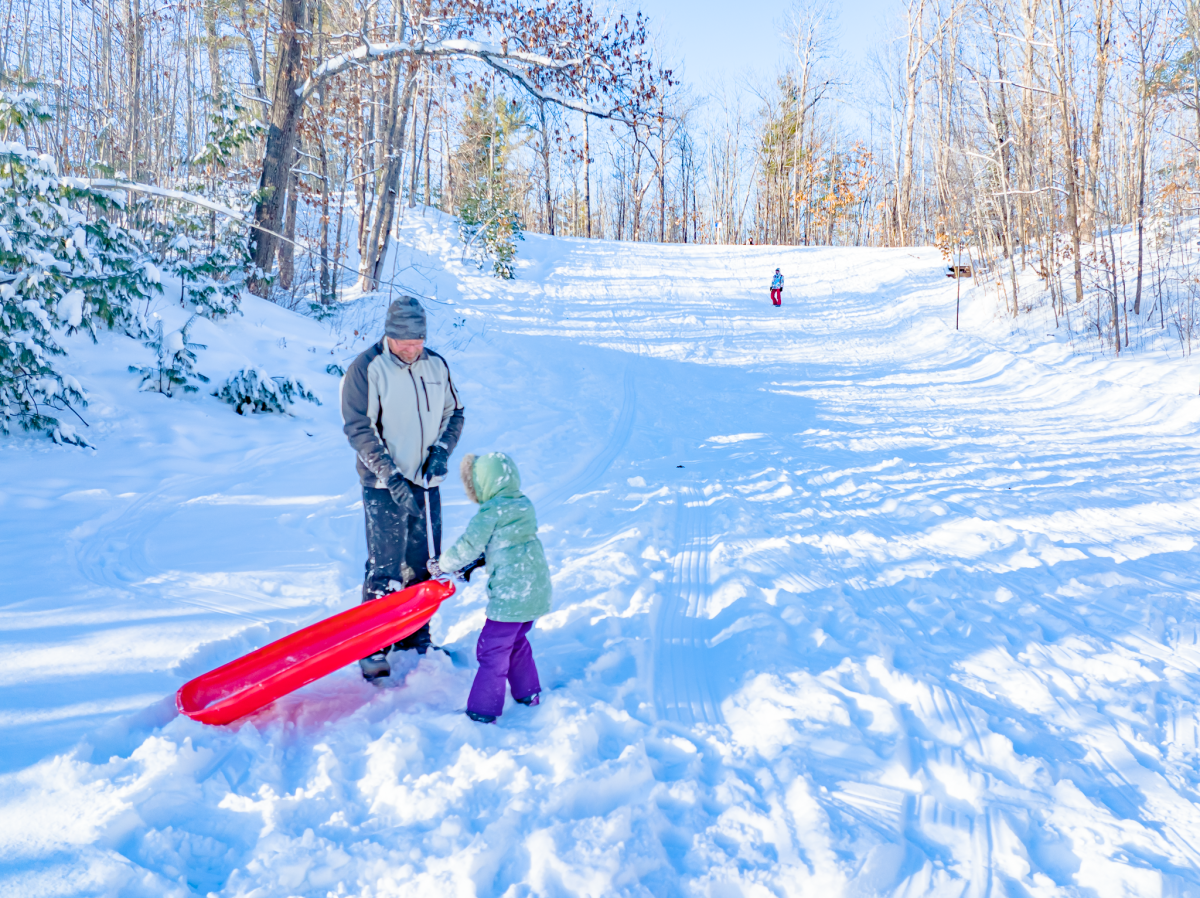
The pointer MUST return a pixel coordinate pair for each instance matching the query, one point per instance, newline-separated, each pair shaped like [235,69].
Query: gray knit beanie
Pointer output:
[405,319]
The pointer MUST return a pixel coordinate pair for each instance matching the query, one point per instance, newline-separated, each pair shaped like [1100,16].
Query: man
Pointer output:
[777,289]
[403,417]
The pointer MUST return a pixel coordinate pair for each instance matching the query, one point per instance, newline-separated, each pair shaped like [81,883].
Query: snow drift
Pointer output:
[846,602]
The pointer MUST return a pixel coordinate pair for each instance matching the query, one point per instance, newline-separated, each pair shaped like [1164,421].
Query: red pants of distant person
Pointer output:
[777,297]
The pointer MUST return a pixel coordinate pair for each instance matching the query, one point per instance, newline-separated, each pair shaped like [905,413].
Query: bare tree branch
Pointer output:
[367,53]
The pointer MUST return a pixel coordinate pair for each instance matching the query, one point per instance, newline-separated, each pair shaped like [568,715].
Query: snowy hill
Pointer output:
[846,602]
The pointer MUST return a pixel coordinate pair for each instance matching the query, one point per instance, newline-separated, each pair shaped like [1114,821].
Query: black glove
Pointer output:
[471,568]
[435,465]
[402,495]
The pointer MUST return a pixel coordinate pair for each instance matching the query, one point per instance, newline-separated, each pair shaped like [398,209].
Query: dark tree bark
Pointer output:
[283,126]
[1062,48]
[287,248]
[545,149]
[371,267]
[587,174]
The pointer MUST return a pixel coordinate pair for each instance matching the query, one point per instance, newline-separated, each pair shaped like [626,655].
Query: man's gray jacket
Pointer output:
[394,412]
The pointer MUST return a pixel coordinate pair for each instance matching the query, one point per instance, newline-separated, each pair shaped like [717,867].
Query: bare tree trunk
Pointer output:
[365,134]
[912,67]
[283,125]
[916,49]
[683,188]
[810,43]
[326,283]
[214,56]
[448,181]
[1028,132]
[252,53]
[337,237]
[415,161]
[287,248]
[587,174]
[662,172]
[425,144]
[1116,320]
[547,196]
[1062,46]
[1141,209]
[1103,25]
[1143,29]
[635,191]
[133,35]
[371,268]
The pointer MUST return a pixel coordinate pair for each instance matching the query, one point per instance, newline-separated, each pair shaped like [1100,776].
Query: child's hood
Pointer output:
[488,476]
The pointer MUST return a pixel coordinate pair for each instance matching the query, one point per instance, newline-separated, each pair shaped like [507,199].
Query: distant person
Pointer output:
[777,289]
[403,418]
[504,533]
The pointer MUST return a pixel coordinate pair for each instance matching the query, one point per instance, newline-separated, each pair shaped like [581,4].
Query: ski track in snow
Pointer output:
[598,465]
[682,691]
[846,603]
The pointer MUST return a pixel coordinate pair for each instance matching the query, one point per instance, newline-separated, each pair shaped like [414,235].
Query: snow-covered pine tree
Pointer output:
[31,386]
[253,390]
[491,230]
[123,276]
[489,224]
[209,253]
[174,361]
[213,275]
[58,270]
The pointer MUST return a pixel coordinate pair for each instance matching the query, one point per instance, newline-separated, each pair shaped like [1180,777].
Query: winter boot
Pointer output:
[481,718]
[420,640]
[375,666]
[530,700]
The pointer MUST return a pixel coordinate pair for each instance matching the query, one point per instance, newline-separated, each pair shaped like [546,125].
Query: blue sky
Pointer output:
[723,38]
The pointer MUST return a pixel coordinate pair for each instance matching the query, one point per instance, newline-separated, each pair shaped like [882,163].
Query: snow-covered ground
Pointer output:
[846,602]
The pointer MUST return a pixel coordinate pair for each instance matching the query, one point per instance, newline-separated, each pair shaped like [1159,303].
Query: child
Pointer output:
[504,530]
[777,289]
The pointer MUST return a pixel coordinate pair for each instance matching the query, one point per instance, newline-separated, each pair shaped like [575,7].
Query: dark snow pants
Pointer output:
[504,656]
[398,549]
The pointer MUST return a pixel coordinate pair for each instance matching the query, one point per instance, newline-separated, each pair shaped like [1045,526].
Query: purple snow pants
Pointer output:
[504,654]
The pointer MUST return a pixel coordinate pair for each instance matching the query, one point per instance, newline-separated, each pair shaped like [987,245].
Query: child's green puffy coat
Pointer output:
[504,530]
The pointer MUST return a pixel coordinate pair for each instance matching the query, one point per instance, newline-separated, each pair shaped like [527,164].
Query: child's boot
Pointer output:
[530,700]
[481,718]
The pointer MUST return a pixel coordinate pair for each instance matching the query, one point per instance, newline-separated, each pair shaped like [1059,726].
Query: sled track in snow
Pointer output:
[682,687]
[114,553]
[603,460]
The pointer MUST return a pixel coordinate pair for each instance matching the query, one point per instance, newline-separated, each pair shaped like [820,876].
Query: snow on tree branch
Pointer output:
[368,51]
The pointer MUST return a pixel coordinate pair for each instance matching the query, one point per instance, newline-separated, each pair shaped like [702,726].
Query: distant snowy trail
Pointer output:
[961,513]
[846,603]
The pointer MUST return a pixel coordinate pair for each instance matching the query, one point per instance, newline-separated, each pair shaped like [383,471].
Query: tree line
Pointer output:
[1051,147]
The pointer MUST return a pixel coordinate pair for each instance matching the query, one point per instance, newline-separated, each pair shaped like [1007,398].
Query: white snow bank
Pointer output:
[846,602]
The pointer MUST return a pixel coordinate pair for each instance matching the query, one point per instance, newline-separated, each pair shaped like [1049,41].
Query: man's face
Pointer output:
[408,351]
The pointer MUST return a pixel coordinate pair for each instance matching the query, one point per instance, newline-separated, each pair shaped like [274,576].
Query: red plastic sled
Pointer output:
[246,684]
